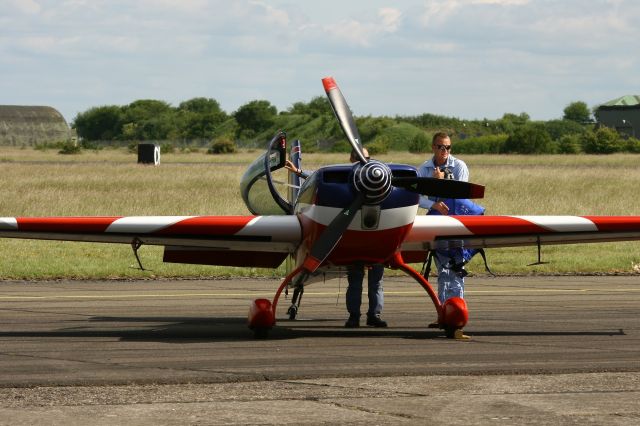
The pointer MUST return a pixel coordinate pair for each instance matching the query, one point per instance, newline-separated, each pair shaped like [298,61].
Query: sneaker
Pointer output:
[375,321]
[352,322]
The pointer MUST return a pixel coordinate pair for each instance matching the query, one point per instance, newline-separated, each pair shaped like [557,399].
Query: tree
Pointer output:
[255,116]
[531,138]
[320,106]
[578,112]
[145,109]
[510,122]
[149,119]
[559,128]
[99,123]
[316,107]
[198,118]
[201,106]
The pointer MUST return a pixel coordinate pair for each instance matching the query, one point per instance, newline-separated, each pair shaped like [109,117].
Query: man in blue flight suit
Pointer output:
[443,165]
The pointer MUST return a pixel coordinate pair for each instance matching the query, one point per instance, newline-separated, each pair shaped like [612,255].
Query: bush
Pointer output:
[559,128]
[531,138]
[419,143]
[372,127]
[602,141]
[87,144]
[632,145]
[339,146]
[167,148]
[486,144]
[569,144]
[70,148]
[222,145]
[379,146]
[48,145]
[399,136]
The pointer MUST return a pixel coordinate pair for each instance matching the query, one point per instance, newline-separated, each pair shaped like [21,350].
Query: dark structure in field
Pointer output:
[622,114]
[30,125]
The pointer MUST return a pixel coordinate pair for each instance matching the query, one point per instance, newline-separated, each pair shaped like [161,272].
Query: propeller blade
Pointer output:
[332,234]
[443,188]
[343,114]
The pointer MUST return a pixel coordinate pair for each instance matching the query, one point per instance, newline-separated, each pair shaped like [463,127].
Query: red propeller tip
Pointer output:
[477,191]
[329,84]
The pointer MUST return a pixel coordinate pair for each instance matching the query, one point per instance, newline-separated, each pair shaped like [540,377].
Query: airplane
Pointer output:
[340,214]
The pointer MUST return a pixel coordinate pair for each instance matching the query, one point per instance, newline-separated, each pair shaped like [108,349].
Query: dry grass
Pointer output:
[109,182]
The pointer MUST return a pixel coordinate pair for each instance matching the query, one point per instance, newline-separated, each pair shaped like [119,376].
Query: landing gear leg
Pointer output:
[262,313]
[295,302]
[398,262]
[452,316]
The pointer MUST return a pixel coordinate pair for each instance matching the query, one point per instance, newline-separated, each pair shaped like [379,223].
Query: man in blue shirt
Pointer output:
[443,165]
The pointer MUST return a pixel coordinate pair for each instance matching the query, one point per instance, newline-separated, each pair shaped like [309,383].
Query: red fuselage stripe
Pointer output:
[615,223]
[207,225]
[500,225]
[65,224]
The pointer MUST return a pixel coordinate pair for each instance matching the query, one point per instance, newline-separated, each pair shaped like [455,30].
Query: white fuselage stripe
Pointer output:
[144,224]
[561,223]
[281,228]
[8,223]
[389,218]
[427,227]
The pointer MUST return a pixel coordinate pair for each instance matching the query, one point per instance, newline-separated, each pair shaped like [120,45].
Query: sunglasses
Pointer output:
[441,147]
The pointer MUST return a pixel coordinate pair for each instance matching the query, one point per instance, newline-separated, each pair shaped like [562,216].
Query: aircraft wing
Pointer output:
[260,241]
[444,232]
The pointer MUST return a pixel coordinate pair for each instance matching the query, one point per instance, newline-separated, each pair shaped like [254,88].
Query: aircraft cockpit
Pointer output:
[266,180]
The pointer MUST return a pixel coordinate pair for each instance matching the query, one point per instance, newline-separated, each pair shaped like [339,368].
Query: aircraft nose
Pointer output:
[373,179]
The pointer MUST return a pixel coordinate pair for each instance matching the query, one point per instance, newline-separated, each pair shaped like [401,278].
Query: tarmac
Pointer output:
[544,350]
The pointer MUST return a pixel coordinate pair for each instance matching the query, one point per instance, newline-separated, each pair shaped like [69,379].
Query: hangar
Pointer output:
[30,125]
[622,114]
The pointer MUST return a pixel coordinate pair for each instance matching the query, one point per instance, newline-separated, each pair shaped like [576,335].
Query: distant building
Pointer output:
[30,125]
[622,114]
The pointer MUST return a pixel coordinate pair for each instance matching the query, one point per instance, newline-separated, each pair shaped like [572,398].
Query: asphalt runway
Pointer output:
[543,350]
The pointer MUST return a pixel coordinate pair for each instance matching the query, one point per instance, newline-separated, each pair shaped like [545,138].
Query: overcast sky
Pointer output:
[463,58]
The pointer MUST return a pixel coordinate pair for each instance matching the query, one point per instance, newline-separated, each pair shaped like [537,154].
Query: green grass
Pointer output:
[109,182]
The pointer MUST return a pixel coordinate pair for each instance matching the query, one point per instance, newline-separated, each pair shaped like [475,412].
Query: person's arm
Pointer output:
[425,202]
[462,172]
[293,169]
[431,203]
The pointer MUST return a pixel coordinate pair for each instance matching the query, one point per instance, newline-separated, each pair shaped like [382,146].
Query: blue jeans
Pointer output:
[449,283]
[355,276]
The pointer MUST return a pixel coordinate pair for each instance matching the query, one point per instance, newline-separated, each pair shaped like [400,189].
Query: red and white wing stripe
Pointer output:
[431,232]
[255,233]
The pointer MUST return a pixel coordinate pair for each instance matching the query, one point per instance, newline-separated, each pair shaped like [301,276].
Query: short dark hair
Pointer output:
[438,136]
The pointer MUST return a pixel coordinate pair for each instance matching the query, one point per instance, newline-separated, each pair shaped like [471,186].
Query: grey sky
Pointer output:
[463,58]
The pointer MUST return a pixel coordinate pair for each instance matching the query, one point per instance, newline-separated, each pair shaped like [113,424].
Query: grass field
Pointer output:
[109,182]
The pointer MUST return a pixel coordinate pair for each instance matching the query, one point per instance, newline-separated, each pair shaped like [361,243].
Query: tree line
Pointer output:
[202,121]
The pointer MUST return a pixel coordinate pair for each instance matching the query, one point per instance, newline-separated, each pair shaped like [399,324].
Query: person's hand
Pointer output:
[437,173]
[441,208]
[289,166]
